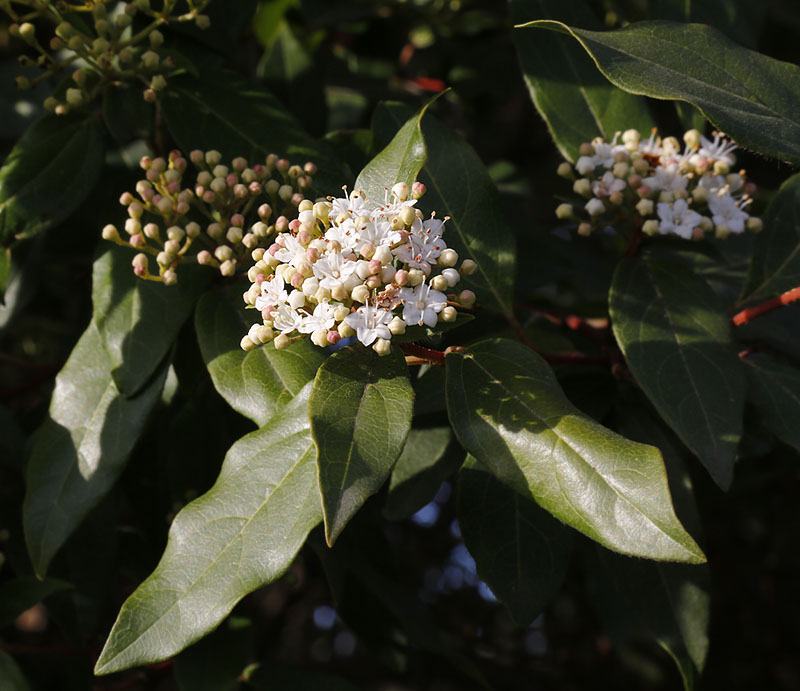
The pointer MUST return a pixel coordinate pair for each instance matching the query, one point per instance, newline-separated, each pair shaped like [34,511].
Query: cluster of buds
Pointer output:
[108,52]
[350,267]
[660,187]
[212,212]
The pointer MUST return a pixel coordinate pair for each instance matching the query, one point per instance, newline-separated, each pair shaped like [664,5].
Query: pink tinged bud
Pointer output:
[304,237]
[417,190]
[373,282]
[304,182]
[634,180]
[147,194]
[237,220]
[644,191]
[239,164]
[145,162]
[240,191]
[135,209]
[294,225]
[126,198]
[273,248]
[467,298]
[281,164]
[281,224]
[137,241]
[260,278]
[264,211]
[374,267]
[333,337]
[182,208]
[152,175]
[196,157]
[297,280]
[296,199]
[209,196]
[151,231]
[231,179]
[401,277]
[174,187]
[312,254]
[140,271]
[254,188]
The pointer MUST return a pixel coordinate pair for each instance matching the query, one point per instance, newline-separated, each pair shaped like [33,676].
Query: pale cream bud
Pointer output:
[345,330]
[296,299]
[565,211]
[247,344]
[595,207]
[281,341]
[382,346]
[339,292]
[383,254]
[451,276]
[415,277]
[407,215]
[397,326]
[439,283]
[401,191]
[448,314]
[721,167]
[360,294]
[650,227]
[583,187]
[754,224]
[620,170]
[692,139]
[565,170]
[468,267]
[645,207]
[448,257]
[320,338]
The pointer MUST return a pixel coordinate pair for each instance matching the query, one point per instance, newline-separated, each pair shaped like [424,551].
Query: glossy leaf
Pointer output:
[751,97]
[574,98]
[775,389]
[508,411]
[420,471]
[47,175]
[458,186]
[259,382]
[139,320]
[242,534]
[221,111]
[19,594]
[520,550]
[675,336]
[360,410]
[775,266]
[11,676]
[82,446]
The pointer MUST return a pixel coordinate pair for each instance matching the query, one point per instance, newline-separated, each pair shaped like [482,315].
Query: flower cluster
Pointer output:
[350,267]
[108,52]
[660,187]
[211,212]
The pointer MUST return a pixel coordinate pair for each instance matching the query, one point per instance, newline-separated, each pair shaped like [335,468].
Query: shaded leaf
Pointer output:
[753,98]
[458,186]
[574,98]
[675,336]
[508,411]
[11,676]
[360,410]
[779,329]
[20,594]
[255,383]
[520,550]
[47,175]
[82,446]
[419,472]
[242,534]
[775,389]
[741,20]
[775,266]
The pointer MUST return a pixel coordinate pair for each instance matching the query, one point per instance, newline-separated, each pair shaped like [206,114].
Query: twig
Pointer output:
[750,313]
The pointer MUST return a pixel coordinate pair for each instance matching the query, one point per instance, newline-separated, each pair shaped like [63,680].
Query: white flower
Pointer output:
[422,304]
[719,150]
[667,178]
[273,292]
[678,218]
[286,320]
[377,233]
[389,208]
[292,251]
[725,211]
[370,323]
[585,165]
[322,318]
[346,234]
[421,252]
[333,269]
[354,204]
[604,152]
[607,185]
[713,183]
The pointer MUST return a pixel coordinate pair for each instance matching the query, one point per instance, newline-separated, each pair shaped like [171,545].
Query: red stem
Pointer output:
[435,357]
[750,313]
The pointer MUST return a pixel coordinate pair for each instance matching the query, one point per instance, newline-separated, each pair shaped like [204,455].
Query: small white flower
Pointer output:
[370,323]
[607,185]
[422,304]
[725,211]
[585,165]
[322,318]
[273,292]
[678,218]
[377,233]
[354,204]
[667,178]
[292,251]
[346,234]
[286,320]
[333,269]
[719,150]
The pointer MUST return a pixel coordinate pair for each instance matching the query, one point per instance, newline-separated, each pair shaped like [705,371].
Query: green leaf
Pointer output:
[741,20]
[23,593]
[775,266]
[508,411]
[222,111]
[780,329]
[242,534]
[360,410]
[257,383]
[520,550]
[775,389]
[575,100]
[47,175]
[675,336]
[139,320]
[459,186]
[753,98]
[419,472]
[11,676]
[274,676]
[82,446]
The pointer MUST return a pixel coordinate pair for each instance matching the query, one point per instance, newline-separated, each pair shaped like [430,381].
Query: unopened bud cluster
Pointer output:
[168,215]
[351,267]
[660,186]
[106,46]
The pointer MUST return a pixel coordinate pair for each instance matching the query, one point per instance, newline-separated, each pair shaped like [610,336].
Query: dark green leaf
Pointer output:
[508,411]
[126,114]
[273,676]
[775,266]
[520,550]
[259,382]
[780,329]
[242,534]
[675,336]
[221,111]
[49,172]
[775,389]
[82,446]
[11,677]
[753,98]
[575,100]
[360,412]
[420,471]
[459,186]
[139,320]
[22,593]
[739,19]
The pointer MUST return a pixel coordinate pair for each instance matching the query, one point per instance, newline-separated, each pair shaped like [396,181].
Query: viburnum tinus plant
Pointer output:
[304,389]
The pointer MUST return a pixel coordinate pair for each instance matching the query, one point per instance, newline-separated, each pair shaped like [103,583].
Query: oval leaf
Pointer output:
[775,389]
[520,550]
[82,446]
[675,337]
[242,534]
[360,410]
[259,382]
[575,100]
[48,174]
[459,186]
[775,266]
[508,411]
[753,98]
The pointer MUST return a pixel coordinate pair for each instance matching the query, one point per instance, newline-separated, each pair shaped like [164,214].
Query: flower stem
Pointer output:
[749,313]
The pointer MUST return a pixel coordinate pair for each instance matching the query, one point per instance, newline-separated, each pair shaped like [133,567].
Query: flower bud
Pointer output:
[650,227]
[448,314]
[468,267]
[620,170]
[706,223]
[156,38]
[721,167]
[383,255]
[671,146]
[360,294]
[666,197]
[401,191]
[754,224]
[401,277]
[27,32]
[407,215]
[645,207]
[595,207]
[158,83]
[74,97]
[467,298]
[451,276]
[565,170]
[382,346]
[150,60]
[223,253]
[585,229]
[418,190]
[247,344]
[133,226]
[583,187]
[565,211]
[172,247]
[439,283]
[448,257]
[228,267]
[110,232]
[203,21]
[281,341]
[234,235]
[692,139]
